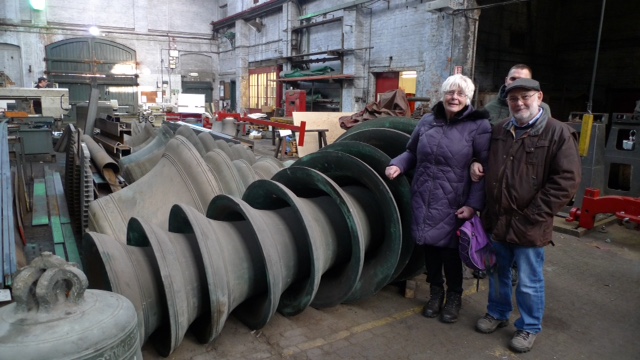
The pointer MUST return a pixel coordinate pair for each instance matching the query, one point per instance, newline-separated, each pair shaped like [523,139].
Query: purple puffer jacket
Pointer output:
[441,152]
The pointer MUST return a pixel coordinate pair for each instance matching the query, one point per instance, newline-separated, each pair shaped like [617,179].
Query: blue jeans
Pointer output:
[530,288]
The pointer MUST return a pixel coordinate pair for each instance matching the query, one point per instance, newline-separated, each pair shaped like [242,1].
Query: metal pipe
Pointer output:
[595,63]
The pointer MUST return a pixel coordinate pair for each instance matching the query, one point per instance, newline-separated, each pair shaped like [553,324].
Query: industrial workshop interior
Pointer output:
[205,179]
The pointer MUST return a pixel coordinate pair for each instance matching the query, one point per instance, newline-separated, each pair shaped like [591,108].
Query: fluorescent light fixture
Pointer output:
[94,31]
[38,4]
[408,74]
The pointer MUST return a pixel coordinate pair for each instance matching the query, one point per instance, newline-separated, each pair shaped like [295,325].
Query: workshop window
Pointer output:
[262,87]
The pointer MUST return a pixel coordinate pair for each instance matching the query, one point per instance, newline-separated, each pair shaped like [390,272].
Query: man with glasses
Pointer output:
[498,108]
[534,171]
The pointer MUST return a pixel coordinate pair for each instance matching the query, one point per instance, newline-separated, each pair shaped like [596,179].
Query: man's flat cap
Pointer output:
[528,84]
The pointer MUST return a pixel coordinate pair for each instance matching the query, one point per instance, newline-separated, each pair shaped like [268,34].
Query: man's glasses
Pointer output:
[460,94]
[524,98]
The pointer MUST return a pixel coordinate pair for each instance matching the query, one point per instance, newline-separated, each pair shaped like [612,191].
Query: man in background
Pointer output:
[498,108]
[42,82]
[37,104]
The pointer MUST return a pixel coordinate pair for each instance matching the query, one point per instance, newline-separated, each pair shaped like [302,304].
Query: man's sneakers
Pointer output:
[522,341]
[488,324]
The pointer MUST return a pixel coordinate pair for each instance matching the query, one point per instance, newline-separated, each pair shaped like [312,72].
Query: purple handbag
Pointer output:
[475,248]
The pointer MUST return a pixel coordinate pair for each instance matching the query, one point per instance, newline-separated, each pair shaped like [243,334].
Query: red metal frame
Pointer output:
[300,129]
[624,208]
[224,115]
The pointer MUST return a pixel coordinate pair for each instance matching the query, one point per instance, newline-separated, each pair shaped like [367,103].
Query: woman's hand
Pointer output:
[476,170]
[465,212]
[392,172]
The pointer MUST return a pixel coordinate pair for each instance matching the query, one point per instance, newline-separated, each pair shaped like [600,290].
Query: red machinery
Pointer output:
[625,208]
[301,130]
[295,100]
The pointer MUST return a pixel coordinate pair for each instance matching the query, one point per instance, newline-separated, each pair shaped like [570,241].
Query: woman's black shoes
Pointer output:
[451,308]
[434,305]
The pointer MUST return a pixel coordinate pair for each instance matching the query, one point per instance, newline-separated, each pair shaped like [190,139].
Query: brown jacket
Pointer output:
[529,180]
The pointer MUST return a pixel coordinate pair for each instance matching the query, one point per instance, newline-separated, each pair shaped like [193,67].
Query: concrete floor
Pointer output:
[593,297]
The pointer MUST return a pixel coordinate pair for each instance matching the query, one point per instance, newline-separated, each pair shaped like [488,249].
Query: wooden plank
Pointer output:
[40,211]
[318,120]
[70,245]
[54,213]
[62,202]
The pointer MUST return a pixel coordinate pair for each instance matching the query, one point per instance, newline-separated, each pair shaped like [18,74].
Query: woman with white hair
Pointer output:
[440,150]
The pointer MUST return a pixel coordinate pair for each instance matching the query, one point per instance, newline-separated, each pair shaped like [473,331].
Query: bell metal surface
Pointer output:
[55,317]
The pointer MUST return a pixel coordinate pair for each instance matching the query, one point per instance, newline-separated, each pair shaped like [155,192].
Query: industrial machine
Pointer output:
[295,100]
[35,129]
[55,102]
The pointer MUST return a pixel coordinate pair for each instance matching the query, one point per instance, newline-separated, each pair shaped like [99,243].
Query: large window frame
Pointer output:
[263,88]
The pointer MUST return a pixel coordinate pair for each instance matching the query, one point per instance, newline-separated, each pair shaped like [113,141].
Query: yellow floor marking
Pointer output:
[349,332]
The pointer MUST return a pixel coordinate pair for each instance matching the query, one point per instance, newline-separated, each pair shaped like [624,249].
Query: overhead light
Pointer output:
[408,74]
[94,31]
[194,74]
[38,4]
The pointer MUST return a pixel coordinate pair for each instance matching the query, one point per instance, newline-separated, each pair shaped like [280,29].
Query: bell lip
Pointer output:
[399,187]
[166,337]
[394,132]
[210,323]
[300,179]
[260,306]
[291,302]
[342,167]
[401,124]
[391,142]
[96,241]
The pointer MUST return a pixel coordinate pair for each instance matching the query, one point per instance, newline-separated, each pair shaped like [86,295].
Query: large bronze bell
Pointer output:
[187,132]
[141,135]
[55,317]
[181,176]
[140,162]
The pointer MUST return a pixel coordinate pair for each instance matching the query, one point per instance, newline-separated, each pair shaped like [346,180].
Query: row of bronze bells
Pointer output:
[191,170]
[329,229]
[148,146]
